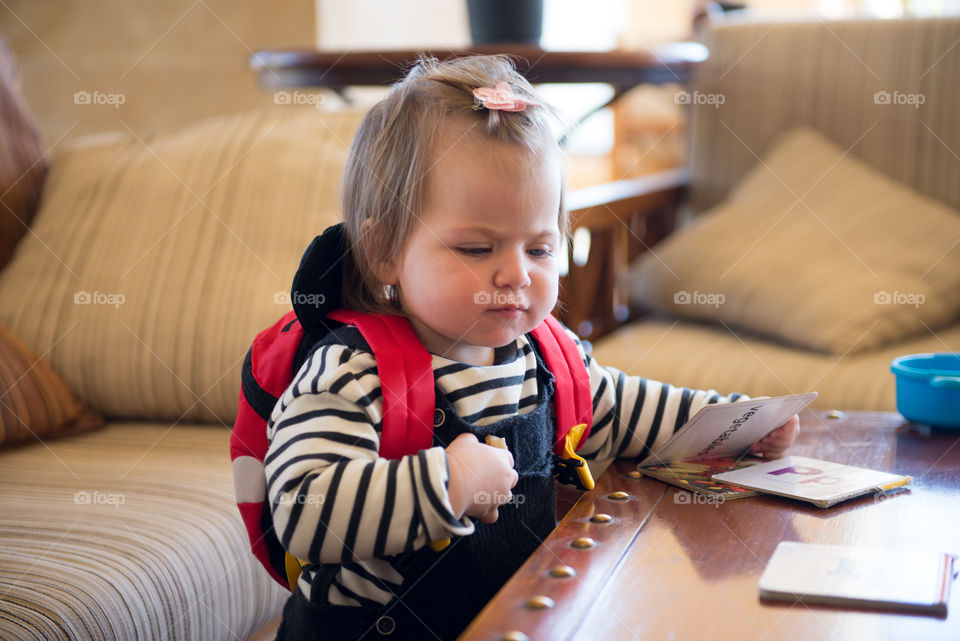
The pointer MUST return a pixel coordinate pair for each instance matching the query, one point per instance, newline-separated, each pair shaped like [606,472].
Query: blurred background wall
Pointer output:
[172,60]
[97,65]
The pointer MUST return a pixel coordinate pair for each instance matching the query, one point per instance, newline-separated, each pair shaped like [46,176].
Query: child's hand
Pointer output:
[480,478]
[773,444]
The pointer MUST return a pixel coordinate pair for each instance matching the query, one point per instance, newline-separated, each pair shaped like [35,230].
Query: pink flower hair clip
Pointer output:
[501,98]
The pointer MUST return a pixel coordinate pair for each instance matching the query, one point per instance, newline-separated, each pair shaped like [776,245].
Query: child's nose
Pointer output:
[512,271]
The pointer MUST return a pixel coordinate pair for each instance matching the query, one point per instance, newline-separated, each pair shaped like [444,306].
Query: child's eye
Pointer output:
[540,252]
[473,251]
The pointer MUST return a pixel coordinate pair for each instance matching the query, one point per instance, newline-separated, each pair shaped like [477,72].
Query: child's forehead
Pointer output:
[475,165]
[475,181]
[456,136]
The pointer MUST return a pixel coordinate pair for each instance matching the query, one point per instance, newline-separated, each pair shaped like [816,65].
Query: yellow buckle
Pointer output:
[294,568]
[570,442]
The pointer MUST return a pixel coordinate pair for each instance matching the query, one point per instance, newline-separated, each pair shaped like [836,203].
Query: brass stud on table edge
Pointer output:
[514,635]
[601,518]
[562,572]
[618,496]
[634,474]
[540,602]
[583,543]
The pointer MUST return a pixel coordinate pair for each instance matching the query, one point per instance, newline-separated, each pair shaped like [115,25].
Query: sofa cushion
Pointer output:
[155,260]
[35,403]
[814,248]
[22,162]
[130,532]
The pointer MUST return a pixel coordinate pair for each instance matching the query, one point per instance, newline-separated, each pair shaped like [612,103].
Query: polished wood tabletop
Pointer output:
[669,566]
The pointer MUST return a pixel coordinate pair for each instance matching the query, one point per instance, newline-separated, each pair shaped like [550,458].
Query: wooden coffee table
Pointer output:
[624,70]
[666,567]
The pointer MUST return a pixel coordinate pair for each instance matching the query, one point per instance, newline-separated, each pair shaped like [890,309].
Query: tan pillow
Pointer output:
[155,261]
[814,248]
[35,403]
[22,164]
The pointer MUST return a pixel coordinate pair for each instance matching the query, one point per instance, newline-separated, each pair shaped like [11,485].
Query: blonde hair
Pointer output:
[392,151]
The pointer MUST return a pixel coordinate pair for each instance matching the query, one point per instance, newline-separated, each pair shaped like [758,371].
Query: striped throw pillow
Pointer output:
[35,403]
[156,259]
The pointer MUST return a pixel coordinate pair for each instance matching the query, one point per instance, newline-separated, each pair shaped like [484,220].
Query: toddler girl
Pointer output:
[454,219]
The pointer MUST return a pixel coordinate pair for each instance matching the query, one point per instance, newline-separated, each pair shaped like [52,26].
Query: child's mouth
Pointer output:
[509,312]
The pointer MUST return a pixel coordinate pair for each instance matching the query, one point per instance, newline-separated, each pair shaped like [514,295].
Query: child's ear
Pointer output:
[386,271]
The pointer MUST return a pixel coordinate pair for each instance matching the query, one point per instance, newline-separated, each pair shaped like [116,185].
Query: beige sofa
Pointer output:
[835,247]
[153,261]
[149,268]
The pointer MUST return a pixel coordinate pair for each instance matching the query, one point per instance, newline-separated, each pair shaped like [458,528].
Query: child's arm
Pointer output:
[634,415]
[333,499]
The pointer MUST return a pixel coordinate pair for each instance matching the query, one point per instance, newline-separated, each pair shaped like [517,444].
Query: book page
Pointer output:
[727,429]
[696,475]
[813,480]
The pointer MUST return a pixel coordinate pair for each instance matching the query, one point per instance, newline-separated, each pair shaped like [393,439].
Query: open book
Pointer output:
[716,439]
[727,429]
[697,475]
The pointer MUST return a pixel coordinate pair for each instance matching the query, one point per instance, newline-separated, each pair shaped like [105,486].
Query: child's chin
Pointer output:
[502,332]
[500,339]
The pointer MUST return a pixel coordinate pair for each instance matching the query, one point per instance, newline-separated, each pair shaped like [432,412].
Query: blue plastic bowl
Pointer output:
[928,388]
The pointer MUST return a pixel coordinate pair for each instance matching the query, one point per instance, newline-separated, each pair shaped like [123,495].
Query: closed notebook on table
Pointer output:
[902,580]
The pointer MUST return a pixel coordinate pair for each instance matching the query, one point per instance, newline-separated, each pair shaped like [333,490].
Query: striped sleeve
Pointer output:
[633,415]
[333,499]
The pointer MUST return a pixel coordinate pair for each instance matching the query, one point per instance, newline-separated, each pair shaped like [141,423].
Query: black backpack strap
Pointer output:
[263,401]
[258,398]
[343,335]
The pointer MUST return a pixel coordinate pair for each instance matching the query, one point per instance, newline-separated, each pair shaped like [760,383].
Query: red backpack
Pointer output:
[405,371]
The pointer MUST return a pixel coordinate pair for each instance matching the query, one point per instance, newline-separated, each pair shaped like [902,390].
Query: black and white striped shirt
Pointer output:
[335,501]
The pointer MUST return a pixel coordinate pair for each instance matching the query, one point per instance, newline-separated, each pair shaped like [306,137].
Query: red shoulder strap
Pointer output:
[406,378]
[408,388]
[572,402]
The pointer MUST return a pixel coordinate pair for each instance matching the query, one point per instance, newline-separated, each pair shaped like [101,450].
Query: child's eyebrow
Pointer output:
[493,233]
